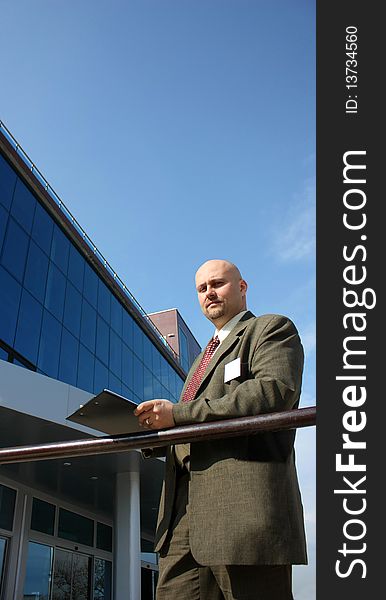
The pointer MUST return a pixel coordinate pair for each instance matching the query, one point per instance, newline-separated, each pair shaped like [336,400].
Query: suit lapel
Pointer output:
[228,344]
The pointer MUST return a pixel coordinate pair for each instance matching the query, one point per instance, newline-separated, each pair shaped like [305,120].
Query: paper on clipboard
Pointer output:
[108,412]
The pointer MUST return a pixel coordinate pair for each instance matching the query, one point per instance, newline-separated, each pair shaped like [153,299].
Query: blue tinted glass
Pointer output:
[23,206]
[101,377]
[9,306]
[138,377]
[127,393]
[156,363]
[114,383]
[68,361]
[115,354]
[127,366]
[76,268]
[42,228]
[147,352]
[38,571]
[138,340]
[104,297]
[3,354]
[116,315]
[85,369]
[127,329]
[7,182]
[88,326]
[164,373]
[48,360]
[28,327]
[3,225]
[102,340]
[15,250]
[180,385]
[90,285]
[148,385]
[60,249]
[55,291]
[35,277]
[72,309]
[165,393]
[157,389]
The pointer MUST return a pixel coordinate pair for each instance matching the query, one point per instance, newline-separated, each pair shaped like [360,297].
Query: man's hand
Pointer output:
[155,414]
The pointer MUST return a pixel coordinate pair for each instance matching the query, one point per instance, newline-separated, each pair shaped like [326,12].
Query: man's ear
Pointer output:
[243,286]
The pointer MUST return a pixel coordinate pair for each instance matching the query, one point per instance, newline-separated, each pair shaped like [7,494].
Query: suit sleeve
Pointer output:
[275,365]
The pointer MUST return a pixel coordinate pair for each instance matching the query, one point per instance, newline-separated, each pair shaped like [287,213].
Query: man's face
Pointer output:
[221,291]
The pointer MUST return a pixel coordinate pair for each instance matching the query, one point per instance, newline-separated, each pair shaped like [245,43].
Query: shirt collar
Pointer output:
[225,331]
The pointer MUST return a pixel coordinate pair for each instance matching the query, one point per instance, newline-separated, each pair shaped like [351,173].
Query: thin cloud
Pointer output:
[294,239]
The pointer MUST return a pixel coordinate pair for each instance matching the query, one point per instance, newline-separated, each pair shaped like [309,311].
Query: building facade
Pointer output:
[79,529]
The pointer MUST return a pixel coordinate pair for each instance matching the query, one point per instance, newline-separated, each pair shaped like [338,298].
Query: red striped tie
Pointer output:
[197,376]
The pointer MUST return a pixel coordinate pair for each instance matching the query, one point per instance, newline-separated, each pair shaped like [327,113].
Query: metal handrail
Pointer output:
[278,421]
[49,189]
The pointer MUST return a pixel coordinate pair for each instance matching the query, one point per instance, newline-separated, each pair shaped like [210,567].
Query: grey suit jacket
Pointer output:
[244,501]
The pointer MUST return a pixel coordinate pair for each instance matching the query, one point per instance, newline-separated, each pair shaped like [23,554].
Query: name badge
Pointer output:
[232,370]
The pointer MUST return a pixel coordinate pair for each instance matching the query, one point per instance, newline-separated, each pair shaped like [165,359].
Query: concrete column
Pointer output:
[127,533]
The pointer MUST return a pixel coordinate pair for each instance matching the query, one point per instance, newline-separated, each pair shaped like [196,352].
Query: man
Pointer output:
[230,523]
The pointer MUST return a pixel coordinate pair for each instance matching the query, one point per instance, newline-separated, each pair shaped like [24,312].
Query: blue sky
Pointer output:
[177,131]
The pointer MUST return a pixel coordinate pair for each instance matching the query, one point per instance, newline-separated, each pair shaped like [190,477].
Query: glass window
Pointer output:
[60,249]
[127,329]
[9,306]
[75,528]
[38,572]
[102,340]
[68,361]
[157,388]
[72,309]
[184,352]
[85,369]
[43,516]
[116,315]
[102,579]
[3,354]
[147,352]
[72,576]
[3,545]
[115,354]
[88,326]
[76,268]
[90,285]
[23,206]
[7,182]
[3,225]
[127,366]
[55,291]
[148,385]
[138,377]
[164,373]
[115,384]
[156,363]
[28,327]
[138,340]
[35,277]
[101,377]
[104,537]
[42,229]
[49,348]
[15,248]
[104,297]
[7,507]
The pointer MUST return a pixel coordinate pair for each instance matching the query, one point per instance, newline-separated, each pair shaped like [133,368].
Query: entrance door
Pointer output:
[149,577]
[71,576]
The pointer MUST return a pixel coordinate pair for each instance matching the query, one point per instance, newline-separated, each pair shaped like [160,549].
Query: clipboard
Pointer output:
[108,412]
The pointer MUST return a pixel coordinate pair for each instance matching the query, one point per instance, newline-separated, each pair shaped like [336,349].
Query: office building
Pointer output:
[80,528]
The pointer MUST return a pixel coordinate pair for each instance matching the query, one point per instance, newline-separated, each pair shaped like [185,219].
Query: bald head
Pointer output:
[221,291]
